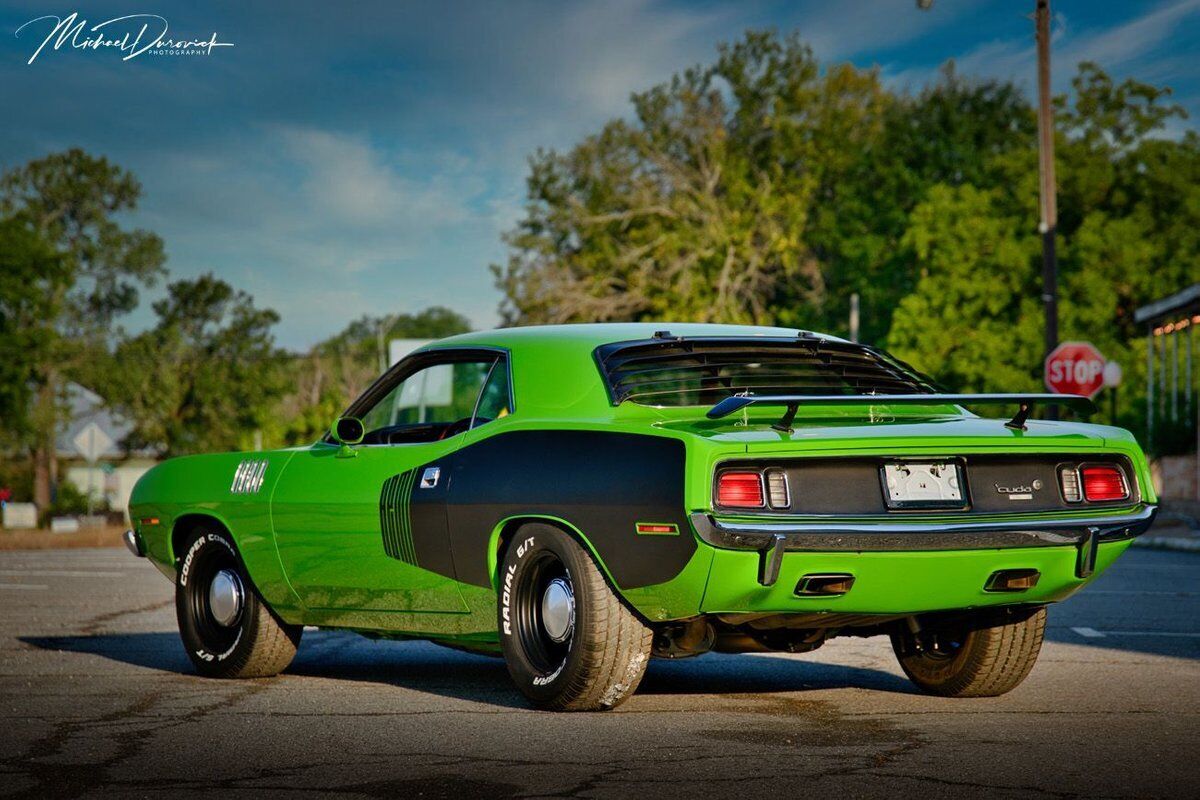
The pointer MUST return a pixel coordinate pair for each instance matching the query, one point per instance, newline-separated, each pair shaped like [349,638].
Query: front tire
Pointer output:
[569,642]
[985,654]
[226,628]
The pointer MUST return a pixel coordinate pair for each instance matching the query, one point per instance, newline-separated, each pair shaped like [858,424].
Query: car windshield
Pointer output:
[704,371]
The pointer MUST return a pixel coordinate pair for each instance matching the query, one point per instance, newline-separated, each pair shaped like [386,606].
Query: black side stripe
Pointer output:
[395,521]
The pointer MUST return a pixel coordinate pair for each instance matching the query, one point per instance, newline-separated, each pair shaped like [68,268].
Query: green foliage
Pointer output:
[697,210]
[71,199]
[758,189]
[68,501]
[970,333]
[70,202]
[205,376]
[1129,212]
[947,134]
[32,274]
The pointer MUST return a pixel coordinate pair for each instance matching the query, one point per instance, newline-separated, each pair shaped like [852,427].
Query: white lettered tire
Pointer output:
[569,642]
[228,631]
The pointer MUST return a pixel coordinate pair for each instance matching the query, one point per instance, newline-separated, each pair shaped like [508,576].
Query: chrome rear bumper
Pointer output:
[772,539]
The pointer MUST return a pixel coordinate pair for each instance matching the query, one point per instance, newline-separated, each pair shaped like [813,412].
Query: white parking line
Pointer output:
[1092,633]
[22,586]
[60,573]
[1135,593]
[1174,634]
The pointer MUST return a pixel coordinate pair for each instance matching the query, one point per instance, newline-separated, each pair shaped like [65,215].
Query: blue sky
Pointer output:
[351,158]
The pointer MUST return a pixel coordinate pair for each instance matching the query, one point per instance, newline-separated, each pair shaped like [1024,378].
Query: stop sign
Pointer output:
[1075,368]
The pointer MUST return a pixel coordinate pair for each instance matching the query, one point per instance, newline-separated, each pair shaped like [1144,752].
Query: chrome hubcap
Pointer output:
[558,610]
[225,597]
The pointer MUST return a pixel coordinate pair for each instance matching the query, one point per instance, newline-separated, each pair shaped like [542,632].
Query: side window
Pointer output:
[496,398]
[432,403]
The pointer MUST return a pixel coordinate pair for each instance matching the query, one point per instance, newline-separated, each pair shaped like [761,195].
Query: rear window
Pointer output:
[703,371]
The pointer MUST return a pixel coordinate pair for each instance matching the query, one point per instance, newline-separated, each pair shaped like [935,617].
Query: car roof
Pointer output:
[592,335]
[554,373]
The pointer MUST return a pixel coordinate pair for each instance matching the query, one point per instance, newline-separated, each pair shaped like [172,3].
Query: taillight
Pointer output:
[740,490]
[1103,482]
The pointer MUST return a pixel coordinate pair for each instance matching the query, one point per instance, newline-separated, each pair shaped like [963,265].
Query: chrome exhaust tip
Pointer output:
[1012,580]
[134,543]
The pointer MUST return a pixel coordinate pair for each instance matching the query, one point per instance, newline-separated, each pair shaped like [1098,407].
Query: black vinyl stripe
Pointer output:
[406,540]
[400,512]
[395,523]
[387,516]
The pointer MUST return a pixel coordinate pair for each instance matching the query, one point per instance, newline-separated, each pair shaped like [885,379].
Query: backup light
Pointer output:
[777,489]
[1103,482]
[740,490]
[1072,491]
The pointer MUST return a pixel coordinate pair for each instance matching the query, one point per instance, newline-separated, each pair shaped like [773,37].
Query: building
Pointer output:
[1171,401]
[110,480]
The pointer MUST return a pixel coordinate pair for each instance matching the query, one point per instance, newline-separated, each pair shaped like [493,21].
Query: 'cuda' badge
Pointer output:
[248,478]
[1020,491]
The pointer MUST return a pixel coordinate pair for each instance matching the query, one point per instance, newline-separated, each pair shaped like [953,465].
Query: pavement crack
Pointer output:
[94,624]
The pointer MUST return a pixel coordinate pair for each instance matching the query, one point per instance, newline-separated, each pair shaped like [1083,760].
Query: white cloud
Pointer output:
[349,182]
[1135,41]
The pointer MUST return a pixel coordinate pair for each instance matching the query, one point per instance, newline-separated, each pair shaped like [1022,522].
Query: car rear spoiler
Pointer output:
[1023,402]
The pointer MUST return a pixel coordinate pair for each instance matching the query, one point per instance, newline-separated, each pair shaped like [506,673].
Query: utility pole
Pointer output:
[1049,203]
[854,317]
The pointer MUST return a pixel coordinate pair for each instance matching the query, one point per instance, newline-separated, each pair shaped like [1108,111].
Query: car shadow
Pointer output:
[722,673]
[159,651]
[425,667]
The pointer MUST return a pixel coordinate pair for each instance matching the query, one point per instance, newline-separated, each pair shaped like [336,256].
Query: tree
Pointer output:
[1129,215]
[696,210]
[32,274]
[69,200]
[205,376]
[951,133]
[761,188]
[973,334]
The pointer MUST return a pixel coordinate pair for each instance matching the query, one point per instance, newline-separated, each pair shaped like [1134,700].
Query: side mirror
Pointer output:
[347,430]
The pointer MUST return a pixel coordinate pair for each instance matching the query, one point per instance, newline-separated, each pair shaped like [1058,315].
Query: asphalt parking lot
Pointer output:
[97,699]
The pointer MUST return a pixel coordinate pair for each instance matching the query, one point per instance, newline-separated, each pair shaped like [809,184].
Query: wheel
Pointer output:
[985,654]
[569,642]
[227,629]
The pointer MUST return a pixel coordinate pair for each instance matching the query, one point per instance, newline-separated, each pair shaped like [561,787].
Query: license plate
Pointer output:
[923,484]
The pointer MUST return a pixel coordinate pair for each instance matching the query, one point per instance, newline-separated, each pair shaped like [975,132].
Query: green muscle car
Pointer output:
[580,498]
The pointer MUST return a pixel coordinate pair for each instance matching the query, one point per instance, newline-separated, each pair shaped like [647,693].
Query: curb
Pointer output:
[1176,543]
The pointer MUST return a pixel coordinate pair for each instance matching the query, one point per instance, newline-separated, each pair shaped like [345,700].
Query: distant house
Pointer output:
[112,478]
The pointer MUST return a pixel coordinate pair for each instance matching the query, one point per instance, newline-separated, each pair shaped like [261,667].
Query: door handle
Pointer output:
[429,478]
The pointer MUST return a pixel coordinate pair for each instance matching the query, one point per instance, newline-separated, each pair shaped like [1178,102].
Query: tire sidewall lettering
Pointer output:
[507,585]
[202,541]
[185,570]
[509,579]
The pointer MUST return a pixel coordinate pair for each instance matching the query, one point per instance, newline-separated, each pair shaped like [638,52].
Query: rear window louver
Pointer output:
[705,370]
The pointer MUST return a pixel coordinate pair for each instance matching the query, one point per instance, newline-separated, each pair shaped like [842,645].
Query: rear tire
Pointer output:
[230,633]
[986,654]
[569,642]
